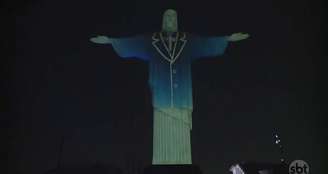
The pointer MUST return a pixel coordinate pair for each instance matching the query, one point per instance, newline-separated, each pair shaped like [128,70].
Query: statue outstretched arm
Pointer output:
[214,46]
[237,37]
[101,40]
[125,47]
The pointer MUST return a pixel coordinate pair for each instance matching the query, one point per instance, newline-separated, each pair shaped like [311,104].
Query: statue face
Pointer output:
[170,21]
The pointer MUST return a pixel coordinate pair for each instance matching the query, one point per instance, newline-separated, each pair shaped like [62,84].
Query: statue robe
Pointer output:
[171,85]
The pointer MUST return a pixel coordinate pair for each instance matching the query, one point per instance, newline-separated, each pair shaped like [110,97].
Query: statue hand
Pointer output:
[237,37]
[101,40]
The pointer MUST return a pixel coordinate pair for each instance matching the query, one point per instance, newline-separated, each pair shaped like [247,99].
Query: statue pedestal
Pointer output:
[173,169]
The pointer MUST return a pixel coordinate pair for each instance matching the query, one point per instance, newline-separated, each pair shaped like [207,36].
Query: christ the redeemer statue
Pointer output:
[170,54]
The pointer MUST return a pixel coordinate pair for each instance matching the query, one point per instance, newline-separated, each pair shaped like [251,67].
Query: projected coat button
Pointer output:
[174,71]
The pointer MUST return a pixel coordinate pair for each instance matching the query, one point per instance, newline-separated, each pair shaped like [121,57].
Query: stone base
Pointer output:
[173,169]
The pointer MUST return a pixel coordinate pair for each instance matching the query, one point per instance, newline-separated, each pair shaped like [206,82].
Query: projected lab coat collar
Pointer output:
[161,44]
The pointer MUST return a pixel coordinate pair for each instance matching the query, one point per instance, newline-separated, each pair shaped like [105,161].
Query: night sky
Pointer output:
[59,87]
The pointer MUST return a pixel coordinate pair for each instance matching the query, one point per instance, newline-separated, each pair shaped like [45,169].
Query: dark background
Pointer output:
[58,87]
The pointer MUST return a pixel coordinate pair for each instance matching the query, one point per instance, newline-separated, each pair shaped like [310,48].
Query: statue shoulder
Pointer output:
[155,35]
[183,35]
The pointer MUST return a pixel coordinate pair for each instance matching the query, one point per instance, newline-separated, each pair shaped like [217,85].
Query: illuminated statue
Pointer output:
[170,54]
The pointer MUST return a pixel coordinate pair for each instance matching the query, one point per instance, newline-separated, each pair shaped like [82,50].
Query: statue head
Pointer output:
[170,21]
